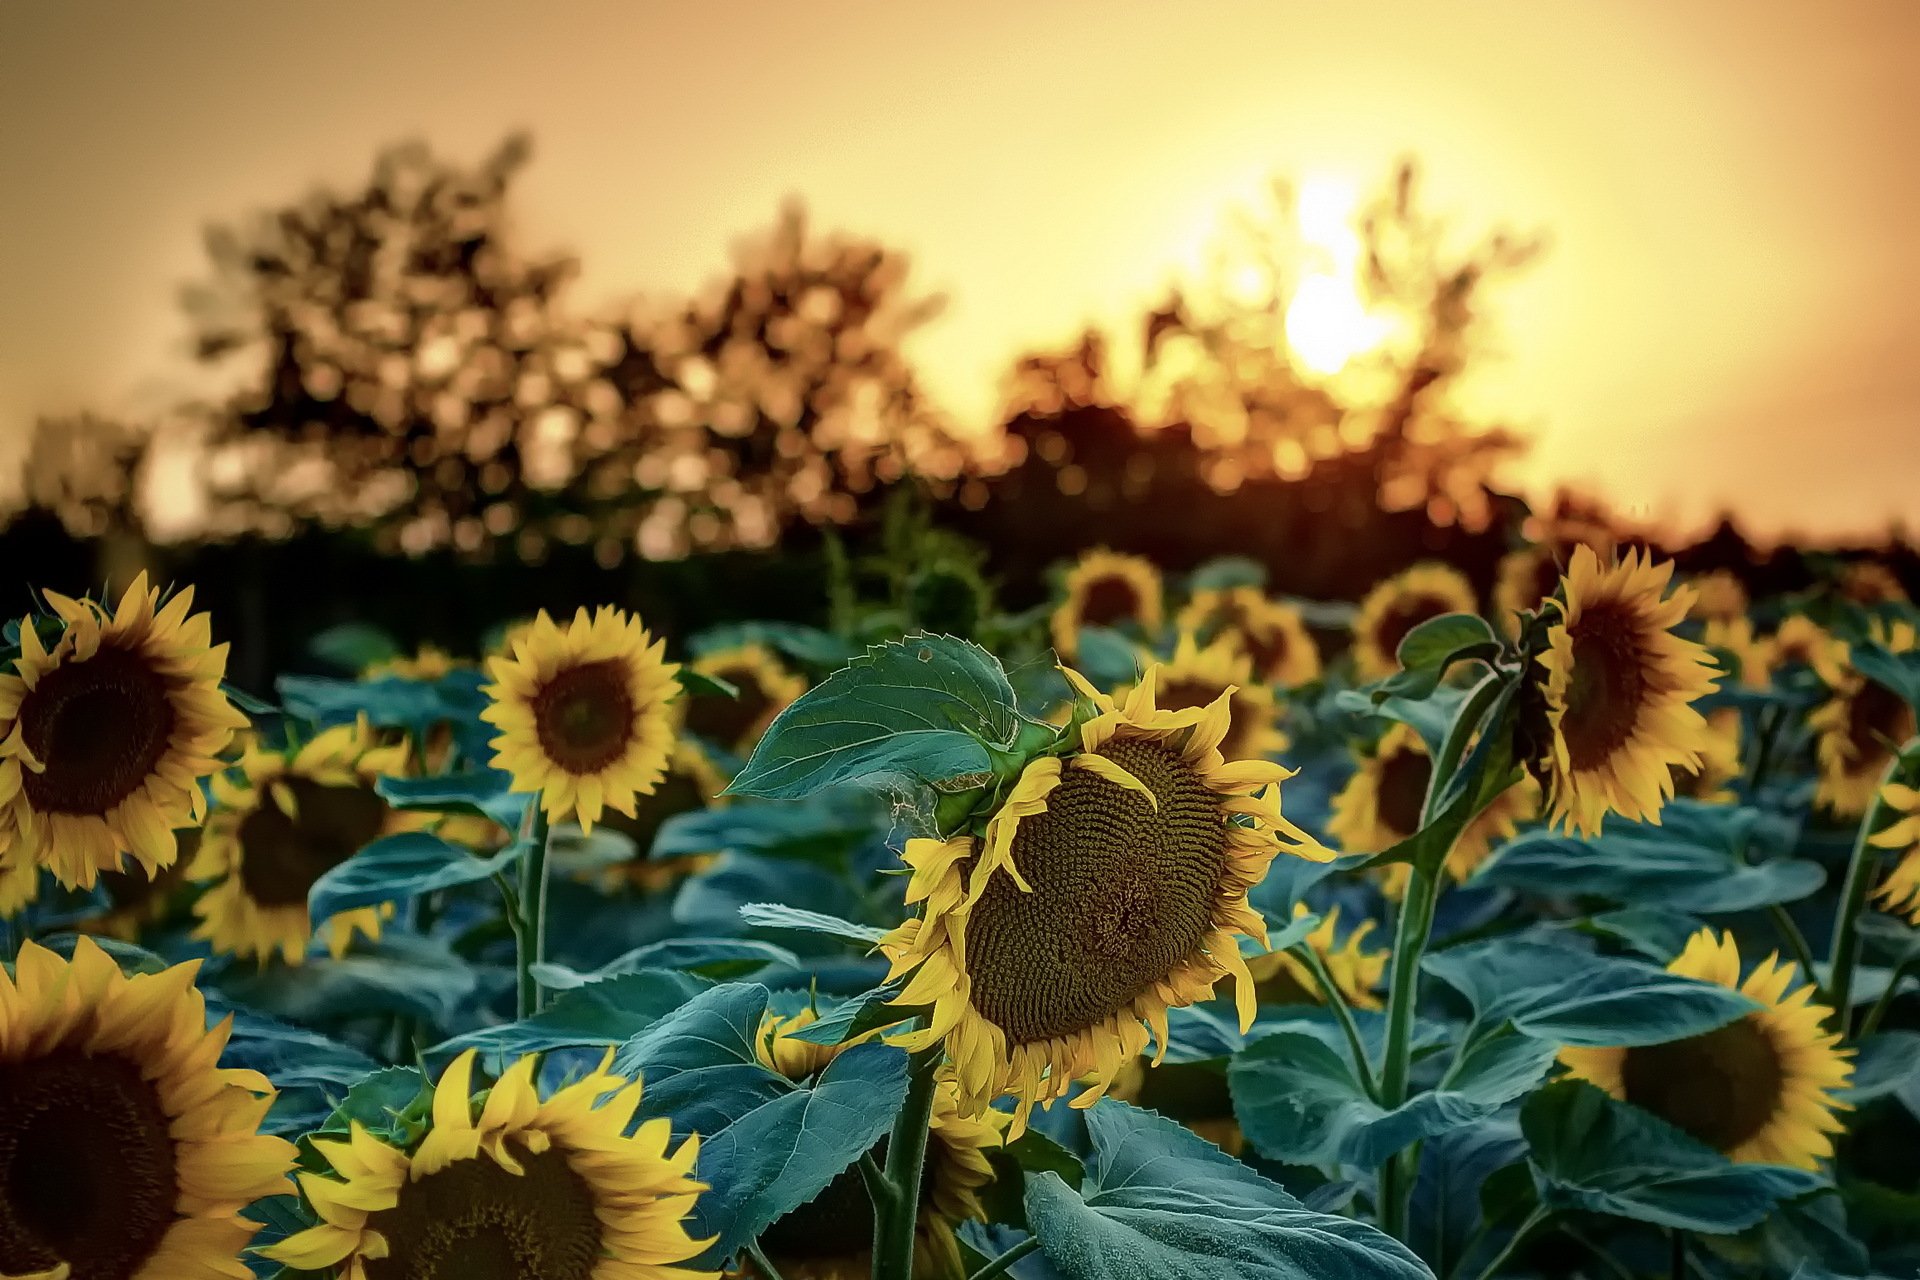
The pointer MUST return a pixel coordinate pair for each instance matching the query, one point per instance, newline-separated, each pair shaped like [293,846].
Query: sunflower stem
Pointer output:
[762,1266]
[1410,938]
[1002,1264]
[1531,1223]
[906,1159]
[531,935]
[1862,869]
[1885,1002]
[1330,992]
[1796,941]
[1679,1240]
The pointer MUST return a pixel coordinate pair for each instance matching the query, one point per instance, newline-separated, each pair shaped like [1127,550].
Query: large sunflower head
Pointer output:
[1396,606]
[1105,589]
[516,1186]
[285,820]
[1273,633]
[1108,885]
[692,782]
[1860,727]
[1719,595]
[1382,803]
[1711,780]
[1762,1088]
[585,713]
[1281,978]
[766,688]
[1195,677]
[105,736]
[1619,692]
[125,1153]
[1753,654]
[1900,891]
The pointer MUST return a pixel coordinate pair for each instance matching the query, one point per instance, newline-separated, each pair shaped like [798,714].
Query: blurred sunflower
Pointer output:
[1105,589]
[691,783]
[1900,891]
[831,1236]
[1398,605]
[1619,691]
[1860,728]
[1762,1089]
[1869,582]
[19,887]
[1526,578]
[1719,762]
[288,819]
[429,662]
[585,713]
[554,1188]
[1802,642]
[104,738]
[136,900]
[1195,1094]
[1273,633]
[1282,978]
[1110,885]
[124,1151]
[766,689]
[1718,596]
[1382,802]
[1754,654]
[1193,678]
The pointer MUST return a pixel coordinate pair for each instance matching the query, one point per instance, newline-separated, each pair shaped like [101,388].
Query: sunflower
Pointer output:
[831,1236]
[1761,1089]
[1901,889]
[1193,678]
[104,737]
[692,782]
[136,900]
[289,818]
[1525,579]
[19,887]
[1860,728]
[1272,632]
[1802,642]
[124,1151]
[1108,886]
[1869,582]
[1105,589]
[1382,803]
[1718,596]
[1719,762]
[1619,691]
[585,713]
[553,1188]
[766,689]
[1398,605]
[430,662]
[1754,654]
[1281,978]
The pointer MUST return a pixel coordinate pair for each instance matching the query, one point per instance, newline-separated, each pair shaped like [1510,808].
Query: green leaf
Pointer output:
[1436,642]
[487,793]
[774,915]
[352,647]
[927,707]
[851,1018]
[400,974]
[807,645]
[1160,1203]
[767,1144]
[717,958]
[700,685]
[1889,937]
[1898,672]
[1655,933]
[1595,1154]
[1883,1065]
[399,868]
[1226,572]
[1299,1100]
[1430,717]
[599,1014]
[1106,657]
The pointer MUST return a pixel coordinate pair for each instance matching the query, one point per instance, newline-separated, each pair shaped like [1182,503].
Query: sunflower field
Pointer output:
[1172,928]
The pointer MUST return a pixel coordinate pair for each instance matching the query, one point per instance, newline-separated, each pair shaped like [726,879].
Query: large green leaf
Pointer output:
[1593,1153]
[1299,1100]
[399,868]
[767,1144]
[926,707]
[400,974]
[1899,672]
[1160,1203]
[486,792]
[717,958]
[598,1015]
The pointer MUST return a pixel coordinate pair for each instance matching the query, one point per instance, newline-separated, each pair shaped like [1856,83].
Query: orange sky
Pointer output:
[1730,312]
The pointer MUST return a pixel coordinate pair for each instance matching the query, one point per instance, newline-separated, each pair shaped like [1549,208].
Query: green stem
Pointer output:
[1679,1240]
[1795,940]
[906,1159]
[1454,746]
[1763,751]
[531,935]
[764,1268]
[1330,992]
[1599,1252]
[1531,1223]
[1862,869]
[1885,1002]
[1000,1265]
[1410,939]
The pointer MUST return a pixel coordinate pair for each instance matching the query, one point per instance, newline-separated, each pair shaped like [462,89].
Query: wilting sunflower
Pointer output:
[1398,605]
[766,689]
[1900,891]
[124,1151]
[104,737]
[1860,728]
[1281,978]
[1719,762]
[1619,692]
[1719,595]
[1110,885]
[691,783]
[1105,589]
[585,713]
[1272,632]
[288,819]
[553,1188]
[1761,1089]
[1870,582]
[1802,642]
[1753,654]
[1382,802]
[1194,678]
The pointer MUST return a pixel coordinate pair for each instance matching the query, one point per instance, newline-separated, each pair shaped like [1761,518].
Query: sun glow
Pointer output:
[1329,323]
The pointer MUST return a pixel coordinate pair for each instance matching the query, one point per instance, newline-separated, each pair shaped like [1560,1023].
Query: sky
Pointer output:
[1728,316]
